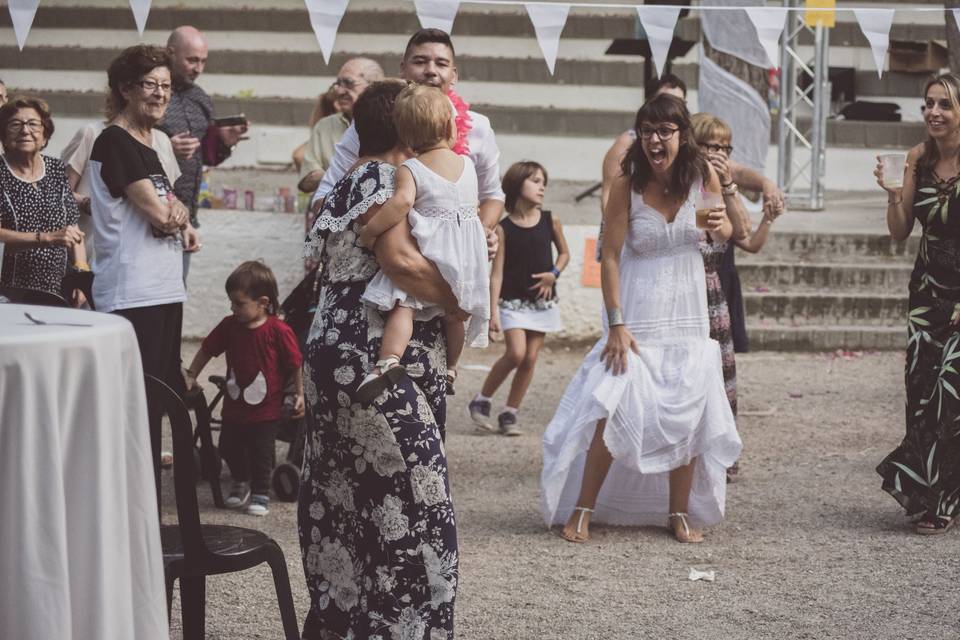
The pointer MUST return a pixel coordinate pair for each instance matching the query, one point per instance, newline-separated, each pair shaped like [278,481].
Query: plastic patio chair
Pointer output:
[21,295]
[191,550]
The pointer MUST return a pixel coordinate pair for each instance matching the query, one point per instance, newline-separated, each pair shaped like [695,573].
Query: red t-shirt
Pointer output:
[259,361]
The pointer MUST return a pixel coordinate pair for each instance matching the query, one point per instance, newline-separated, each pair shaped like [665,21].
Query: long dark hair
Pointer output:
[931,155]
[688,167]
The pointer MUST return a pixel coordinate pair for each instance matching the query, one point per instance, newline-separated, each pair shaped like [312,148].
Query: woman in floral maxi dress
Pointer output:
[376,521]
[923,473]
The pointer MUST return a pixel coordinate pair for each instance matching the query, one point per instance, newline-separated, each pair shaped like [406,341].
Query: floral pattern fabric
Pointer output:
[377,527]
[923,473]
[720,327]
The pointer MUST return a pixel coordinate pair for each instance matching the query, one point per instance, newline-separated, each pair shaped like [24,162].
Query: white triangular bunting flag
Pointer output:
[325,17]
[658,23]
[141,9]
[21,15]
[875,24]
[956,16]
[548,22]
[768,21]
[437,14]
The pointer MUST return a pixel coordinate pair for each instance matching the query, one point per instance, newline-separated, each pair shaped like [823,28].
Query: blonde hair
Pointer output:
[424,118]
[931,154]
[705,126]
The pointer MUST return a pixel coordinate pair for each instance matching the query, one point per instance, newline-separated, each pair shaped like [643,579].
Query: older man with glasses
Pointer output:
[354,77]
[189,122]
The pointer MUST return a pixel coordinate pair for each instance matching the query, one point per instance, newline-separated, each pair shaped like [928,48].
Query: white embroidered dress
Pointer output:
[445,223]
[669,406]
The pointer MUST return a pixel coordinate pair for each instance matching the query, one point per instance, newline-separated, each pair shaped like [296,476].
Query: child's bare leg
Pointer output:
[397,331]
[456,336]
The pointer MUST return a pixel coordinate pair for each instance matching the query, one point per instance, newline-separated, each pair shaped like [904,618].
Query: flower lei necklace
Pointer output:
[463,121]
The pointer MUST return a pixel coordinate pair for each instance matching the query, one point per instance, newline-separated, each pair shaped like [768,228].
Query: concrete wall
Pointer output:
[230,237]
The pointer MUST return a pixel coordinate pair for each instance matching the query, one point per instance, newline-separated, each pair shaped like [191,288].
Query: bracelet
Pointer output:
[614,318]
[890,201]
[726,185]
[81,266]
[555,272]
[730,189]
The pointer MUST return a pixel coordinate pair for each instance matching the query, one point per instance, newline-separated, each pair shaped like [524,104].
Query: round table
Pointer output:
[79,527]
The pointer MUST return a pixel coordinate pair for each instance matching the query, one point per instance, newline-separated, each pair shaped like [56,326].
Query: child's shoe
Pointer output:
[258,505]
[508,423]
[239,494]
[375,383]
[480,414]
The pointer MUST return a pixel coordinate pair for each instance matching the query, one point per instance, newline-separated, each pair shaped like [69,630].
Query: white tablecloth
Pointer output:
[80,554]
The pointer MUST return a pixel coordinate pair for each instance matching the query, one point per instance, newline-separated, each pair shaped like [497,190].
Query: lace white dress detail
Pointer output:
[446,226]
[670,405]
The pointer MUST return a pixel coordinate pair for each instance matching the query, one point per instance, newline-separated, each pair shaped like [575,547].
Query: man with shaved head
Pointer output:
[355,75]
[189,121]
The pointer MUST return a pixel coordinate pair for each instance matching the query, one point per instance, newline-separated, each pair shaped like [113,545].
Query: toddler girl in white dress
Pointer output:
[442,188]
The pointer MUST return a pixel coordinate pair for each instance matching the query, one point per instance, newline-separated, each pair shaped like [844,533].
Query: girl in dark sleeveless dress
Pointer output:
[923,473]
[522,291]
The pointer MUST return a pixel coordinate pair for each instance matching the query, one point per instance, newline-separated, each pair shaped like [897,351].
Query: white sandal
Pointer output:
[583,511]
[682,515]
[374,384]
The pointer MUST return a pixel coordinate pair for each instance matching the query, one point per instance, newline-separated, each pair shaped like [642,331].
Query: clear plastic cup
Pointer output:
[704,203]
[894,165]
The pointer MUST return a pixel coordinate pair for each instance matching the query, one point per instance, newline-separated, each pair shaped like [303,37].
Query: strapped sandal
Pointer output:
[941,524]
[451,378]
[583,511]
[682,516]
[375,383]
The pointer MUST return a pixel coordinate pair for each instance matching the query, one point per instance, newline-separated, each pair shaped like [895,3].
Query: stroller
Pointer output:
[298,310]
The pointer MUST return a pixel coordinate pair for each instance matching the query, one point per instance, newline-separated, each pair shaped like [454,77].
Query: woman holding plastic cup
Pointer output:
[644,432]
[923,473]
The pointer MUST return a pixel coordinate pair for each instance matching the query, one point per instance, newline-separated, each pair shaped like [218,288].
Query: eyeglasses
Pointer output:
[152,85]
[717,148]
[664,133]
[347,83]
[20,125]
[943,103]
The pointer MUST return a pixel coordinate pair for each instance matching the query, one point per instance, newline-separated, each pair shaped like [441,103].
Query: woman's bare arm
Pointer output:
[725,229]
[402,262]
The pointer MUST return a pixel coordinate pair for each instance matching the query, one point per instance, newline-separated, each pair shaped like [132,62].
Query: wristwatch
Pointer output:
[730,189]
[555,272]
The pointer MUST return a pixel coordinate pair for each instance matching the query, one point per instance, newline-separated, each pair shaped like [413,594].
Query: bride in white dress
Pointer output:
[644,432]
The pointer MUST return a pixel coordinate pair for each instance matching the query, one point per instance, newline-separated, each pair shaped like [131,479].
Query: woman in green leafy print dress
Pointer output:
[923,473]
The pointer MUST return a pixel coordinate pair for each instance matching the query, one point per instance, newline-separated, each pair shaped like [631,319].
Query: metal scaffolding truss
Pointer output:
[802,119]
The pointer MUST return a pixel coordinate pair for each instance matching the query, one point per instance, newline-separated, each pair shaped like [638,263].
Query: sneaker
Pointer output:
[480,414]
[239,494]
[508,423]
[258,505]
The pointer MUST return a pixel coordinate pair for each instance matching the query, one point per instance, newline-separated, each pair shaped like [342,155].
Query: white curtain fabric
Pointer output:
[732,32]
[739,105]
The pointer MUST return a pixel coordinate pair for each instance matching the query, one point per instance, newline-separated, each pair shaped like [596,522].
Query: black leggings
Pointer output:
[158,330]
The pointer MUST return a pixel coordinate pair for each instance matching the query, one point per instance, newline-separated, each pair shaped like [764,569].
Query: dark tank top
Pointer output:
[528,250]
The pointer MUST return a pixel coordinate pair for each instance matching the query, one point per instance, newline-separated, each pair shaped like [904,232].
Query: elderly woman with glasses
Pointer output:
[724,298]
[141,229]
[38,214]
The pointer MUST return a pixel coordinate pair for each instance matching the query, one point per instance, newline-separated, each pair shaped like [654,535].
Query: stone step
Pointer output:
[583,22]
[506,118]
[485,59]
[826,338]
[827,308]
[818,247]
[786,277]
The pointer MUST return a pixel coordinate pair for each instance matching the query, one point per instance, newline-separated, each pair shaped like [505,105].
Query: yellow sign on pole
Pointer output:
[821,12]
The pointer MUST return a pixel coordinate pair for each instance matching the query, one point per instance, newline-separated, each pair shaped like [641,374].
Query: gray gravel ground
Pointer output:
[811,548]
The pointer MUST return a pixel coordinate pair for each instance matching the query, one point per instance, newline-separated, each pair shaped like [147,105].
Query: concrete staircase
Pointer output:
[808,291]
